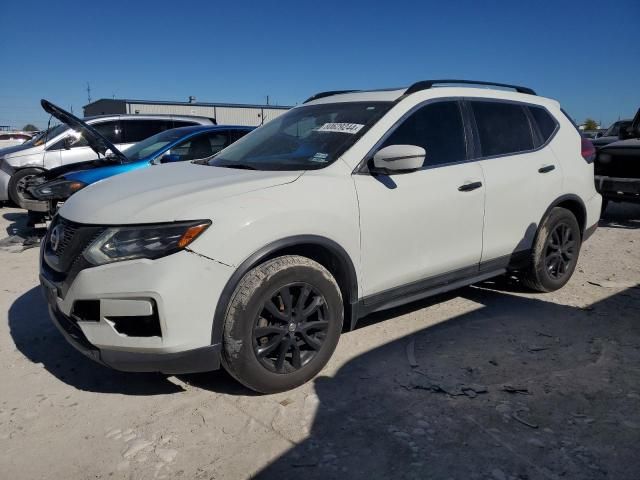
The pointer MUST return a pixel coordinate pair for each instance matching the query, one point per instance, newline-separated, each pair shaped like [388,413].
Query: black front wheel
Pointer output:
[18,184]
[282,324]
[555,252]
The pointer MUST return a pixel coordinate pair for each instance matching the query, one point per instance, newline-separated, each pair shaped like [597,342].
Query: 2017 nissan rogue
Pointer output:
[353,202]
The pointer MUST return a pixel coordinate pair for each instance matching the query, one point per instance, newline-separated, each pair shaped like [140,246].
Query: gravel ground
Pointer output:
[485,382]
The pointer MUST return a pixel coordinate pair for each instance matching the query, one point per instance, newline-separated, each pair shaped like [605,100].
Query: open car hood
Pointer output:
[96,141]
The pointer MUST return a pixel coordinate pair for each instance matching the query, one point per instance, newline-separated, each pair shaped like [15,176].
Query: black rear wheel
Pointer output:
[555,252]
[282,324]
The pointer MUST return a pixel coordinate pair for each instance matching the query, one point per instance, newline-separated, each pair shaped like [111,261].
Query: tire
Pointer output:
[262,320]
[16,183]
[551,266]
[605,204]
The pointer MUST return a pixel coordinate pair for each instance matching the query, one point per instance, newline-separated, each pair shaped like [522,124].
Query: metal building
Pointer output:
[224,113]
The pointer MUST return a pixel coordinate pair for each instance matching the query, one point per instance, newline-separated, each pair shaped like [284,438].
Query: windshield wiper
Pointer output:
[239,166]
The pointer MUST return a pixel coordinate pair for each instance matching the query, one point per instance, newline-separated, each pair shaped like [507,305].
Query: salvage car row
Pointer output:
[259,250]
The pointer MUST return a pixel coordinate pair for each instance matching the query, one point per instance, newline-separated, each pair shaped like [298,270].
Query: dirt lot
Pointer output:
[486,382]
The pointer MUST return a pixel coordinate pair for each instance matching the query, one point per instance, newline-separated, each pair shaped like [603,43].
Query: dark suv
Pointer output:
[617,166]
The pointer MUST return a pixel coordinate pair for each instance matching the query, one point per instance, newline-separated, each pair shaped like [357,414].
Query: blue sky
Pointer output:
[585,54]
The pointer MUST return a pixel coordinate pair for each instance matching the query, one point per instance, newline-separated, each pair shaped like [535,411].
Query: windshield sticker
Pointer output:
[351,128]
[320,157]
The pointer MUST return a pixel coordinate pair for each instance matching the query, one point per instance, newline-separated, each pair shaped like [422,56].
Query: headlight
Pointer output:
[116,244]
[60,189]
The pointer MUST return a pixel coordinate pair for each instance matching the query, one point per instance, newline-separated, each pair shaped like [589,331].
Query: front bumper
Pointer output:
[4,183]
[617,188]
[183,289]
[37,205]
[201,359]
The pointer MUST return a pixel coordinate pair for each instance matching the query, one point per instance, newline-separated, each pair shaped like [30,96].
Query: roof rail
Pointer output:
[327,94]
[426,84]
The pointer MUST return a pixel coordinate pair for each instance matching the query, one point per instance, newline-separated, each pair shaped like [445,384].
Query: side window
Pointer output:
[200,146]
[137,130]
[218,142]
[503,128]
[544,120]
[183,123]
[237,135]
[112,130]
[438,128]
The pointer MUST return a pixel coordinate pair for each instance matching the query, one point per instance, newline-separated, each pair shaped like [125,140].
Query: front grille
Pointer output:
[69,229]
[65,241]
[623,164]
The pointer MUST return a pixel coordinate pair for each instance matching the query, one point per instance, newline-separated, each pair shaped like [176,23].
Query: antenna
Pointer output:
[88,92]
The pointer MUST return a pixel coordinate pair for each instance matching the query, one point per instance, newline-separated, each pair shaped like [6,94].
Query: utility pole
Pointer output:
[88,92]
[267,99]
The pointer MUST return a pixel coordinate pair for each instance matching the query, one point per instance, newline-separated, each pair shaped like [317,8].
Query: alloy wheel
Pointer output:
[560,250]
[291,328]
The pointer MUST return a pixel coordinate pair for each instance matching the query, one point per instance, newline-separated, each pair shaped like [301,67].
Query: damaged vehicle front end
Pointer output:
[617,167]
[36,199]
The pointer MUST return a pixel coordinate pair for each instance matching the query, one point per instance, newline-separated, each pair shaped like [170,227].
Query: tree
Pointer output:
[30,127]
[590,124]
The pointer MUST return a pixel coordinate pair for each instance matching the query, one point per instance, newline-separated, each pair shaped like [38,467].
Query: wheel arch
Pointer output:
[325,251]
[575,205]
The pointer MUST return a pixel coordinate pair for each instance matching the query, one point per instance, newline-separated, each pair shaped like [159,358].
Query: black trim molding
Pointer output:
[267,251]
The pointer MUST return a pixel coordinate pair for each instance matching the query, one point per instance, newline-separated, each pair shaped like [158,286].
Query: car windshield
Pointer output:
[152,145]
[614,130]
[304,138]
[47,135]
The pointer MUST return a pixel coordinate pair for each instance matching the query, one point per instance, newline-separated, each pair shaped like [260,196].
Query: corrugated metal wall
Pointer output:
[224,115]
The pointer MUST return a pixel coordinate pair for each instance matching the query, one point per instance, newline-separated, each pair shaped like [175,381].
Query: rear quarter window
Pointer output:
[545,122]
[503,128]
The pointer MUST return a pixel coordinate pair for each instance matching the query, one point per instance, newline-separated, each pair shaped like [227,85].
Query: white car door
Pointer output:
[522,177]
[423,228]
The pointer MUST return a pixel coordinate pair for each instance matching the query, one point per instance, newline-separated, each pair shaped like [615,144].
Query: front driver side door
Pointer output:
[423,228]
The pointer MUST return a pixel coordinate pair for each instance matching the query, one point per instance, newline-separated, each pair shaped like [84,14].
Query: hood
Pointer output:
[78,167]
[166,193]
[96,141]
[629,147]
[16,149]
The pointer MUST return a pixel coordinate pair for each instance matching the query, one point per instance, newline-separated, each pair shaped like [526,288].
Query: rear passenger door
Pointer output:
[521,173]
[423,228]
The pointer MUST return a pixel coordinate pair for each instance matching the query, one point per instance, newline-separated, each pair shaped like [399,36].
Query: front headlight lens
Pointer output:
[57,189]
[116,244]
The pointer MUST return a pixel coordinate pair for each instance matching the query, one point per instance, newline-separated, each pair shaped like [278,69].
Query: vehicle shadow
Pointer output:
[621,215]
[519,388]
[37,338]
[19,229]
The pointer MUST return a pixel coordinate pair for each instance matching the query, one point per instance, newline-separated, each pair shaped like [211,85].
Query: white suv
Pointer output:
[350,203]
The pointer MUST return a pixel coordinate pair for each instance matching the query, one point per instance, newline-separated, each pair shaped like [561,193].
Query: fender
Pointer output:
[268,250]
[563,198]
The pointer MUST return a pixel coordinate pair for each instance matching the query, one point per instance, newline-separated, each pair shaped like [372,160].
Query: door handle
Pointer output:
[546,168]
[467,187]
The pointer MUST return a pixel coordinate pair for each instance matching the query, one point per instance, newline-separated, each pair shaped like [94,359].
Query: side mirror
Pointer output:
[68,142]
[399,158]
[169,158]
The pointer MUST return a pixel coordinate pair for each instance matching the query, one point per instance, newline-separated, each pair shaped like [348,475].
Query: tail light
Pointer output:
[588,150]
